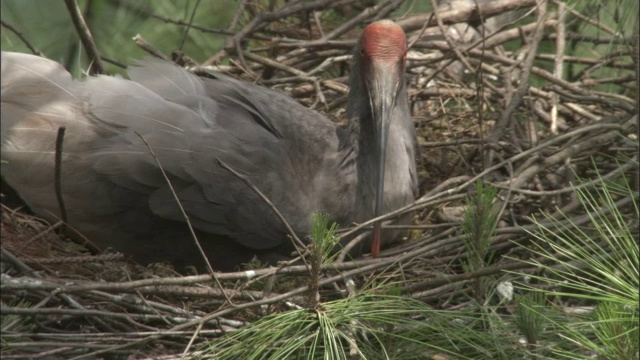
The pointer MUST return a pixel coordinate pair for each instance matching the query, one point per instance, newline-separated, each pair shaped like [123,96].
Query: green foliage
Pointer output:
[368,326]
[479,225]
[13,326]
[616,326]
[47,26]
[323,236]
[530,316]
[615,20]
[16,323]
[598,265]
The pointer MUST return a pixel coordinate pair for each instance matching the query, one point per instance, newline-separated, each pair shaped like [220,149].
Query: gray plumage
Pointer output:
[116,196]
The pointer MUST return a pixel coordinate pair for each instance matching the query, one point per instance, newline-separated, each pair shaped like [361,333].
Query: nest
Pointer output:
[481,111]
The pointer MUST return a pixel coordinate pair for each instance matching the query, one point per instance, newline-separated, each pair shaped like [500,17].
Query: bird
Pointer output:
[114,190]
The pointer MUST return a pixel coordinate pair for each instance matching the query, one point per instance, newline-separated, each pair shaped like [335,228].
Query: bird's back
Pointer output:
[115,193]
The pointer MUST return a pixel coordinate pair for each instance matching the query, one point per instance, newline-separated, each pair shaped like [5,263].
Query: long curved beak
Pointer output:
[383,88]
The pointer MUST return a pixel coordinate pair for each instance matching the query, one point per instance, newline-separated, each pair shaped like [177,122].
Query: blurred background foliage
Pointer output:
[47,26]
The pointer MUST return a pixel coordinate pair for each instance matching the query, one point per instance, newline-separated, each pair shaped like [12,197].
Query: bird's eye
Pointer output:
[361,51]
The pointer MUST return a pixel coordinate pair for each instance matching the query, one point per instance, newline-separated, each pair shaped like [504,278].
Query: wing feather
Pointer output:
[114,182]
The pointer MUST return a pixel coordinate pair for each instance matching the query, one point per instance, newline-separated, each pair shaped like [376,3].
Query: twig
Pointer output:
[352,244]
[569,189]
[298,244]
[506,116]
[84,33]
[316,18]
[587,19]
[237,15]
[260,21]
[75,259]
[192,339]
[465,12]
[452,45]
[144,45]
[143,10]
[21,37]
[185,217]
[558,63]
[58,177]
[186,29]
[113,62]
[15,261]
[42,233]
[419,34]
[363,15]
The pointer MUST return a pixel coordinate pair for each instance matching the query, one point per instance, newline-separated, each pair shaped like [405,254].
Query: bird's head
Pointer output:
[381,55]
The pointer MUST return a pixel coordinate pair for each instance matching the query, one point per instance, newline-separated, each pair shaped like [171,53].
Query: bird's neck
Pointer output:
[399,164]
